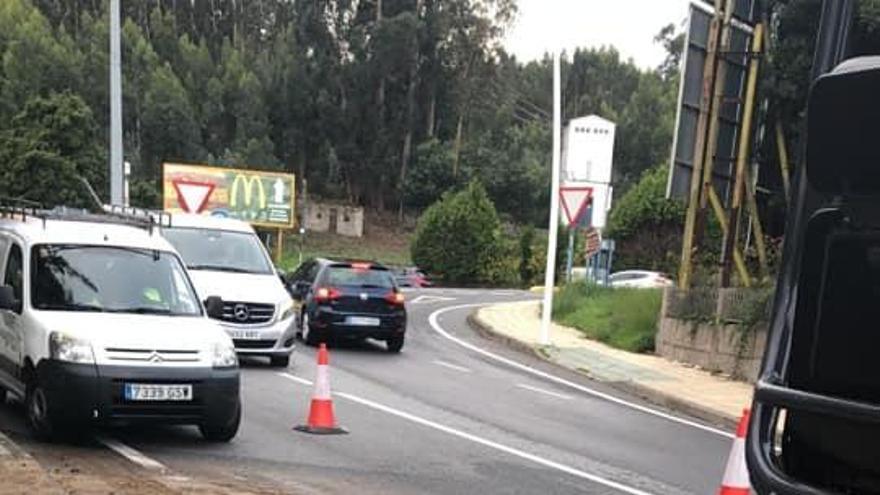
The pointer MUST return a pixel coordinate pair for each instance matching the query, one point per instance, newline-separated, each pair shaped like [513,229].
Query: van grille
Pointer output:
[152,355]
[244,313]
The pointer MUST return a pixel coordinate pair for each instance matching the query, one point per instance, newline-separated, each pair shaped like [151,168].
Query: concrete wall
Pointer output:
[715,347]
[349,220]
[317,217]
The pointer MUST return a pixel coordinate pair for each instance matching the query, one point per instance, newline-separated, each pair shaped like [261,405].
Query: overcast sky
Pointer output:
[628,25]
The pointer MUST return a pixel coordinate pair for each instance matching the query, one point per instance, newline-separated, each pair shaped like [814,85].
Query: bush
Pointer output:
[622,318]
[647,226]
[459,240]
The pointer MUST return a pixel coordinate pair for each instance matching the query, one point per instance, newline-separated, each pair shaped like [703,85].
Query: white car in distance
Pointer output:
[639,279]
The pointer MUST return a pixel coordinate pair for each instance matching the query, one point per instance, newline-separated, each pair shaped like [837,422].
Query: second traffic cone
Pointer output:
[321,418]
[736,474]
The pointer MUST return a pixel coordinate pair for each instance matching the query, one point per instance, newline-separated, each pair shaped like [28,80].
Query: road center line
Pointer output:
[433,320]
[480,440]
[452,366]
[132,454]
[543,391]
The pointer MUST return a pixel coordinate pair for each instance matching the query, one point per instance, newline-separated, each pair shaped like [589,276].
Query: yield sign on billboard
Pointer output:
[193,196]
[575,200]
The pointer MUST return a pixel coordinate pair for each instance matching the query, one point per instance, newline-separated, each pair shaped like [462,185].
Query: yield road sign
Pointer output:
[193,196]
[575,200]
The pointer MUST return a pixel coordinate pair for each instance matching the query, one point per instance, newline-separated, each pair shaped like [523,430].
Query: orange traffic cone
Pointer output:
[736,474]
[321,419]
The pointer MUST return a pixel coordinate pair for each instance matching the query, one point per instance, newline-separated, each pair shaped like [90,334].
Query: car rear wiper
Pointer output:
[372,286]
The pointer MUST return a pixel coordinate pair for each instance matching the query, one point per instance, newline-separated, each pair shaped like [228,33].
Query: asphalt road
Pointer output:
[439,418]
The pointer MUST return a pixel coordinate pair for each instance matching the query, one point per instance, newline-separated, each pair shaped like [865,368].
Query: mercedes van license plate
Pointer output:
[145,392]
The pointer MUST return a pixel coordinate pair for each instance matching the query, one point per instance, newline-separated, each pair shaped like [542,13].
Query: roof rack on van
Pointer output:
[115,214]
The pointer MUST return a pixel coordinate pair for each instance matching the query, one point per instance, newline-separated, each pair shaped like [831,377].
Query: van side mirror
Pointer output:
[214,307]
[7,299]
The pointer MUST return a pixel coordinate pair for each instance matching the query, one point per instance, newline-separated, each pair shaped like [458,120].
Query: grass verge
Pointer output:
[622,318]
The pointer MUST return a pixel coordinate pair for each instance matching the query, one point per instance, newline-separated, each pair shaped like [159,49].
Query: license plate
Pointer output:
[144,392]
[363,321]
[244,334]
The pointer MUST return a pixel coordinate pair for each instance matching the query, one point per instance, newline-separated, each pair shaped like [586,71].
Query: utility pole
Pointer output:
[550,272]
[116,167]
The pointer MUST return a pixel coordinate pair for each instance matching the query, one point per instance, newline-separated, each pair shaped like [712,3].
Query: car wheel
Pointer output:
[38,419]
[308,336]
[394,344]
[3,395]
[279,361]
[222,433]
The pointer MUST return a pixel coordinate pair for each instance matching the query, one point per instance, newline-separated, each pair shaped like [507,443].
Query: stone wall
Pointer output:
[733,349]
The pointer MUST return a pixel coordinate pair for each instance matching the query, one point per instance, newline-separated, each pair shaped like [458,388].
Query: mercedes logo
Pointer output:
[241,312]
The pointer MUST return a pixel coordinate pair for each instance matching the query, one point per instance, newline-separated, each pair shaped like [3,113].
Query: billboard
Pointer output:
[261,198]
[690,92]
[588,160]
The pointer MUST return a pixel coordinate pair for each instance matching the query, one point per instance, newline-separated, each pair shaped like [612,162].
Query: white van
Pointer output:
[225,258]
[99,323]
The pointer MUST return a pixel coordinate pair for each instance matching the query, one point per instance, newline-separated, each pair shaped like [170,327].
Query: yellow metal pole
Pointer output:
[690,225]
[752,205]
[738,260]
[279,245]
[731,238]
[783,160]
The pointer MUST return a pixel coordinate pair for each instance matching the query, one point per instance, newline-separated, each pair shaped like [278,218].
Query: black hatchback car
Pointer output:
[348,300]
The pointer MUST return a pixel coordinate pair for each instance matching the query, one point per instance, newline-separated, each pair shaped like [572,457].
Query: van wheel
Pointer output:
[279,361]
[222,433]
[38,419]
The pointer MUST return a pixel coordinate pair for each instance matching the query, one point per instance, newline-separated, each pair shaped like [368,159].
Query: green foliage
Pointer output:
[527,271]
[431,174]
[647,226]
[622,318]
[49,145]
[459,239]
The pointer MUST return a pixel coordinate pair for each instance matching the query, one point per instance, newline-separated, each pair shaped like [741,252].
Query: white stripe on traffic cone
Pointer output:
[736,474]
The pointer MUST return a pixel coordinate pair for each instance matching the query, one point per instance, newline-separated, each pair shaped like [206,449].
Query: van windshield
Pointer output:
[219,250]
[110,280]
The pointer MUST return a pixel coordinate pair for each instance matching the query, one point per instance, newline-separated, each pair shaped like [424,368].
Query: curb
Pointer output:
[632,388]
[11,450]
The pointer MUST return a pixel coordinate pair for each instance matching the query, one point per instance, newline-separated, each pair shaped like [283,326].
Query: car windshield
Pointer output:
[111,280]
[219,250]
[358,277]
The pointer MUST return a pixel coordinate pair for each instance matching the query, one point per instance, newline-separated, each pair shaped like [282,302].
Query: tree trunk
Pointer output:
[432,111]
[456,152]
[410,117]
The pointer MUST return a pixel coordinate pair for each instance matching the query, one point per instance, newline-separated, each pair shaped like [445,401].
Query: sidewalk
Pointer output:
[674,385]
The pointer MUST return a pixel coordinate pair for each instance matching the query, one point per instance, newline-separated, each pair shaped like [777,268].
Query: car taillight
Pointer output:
[396,298]
[326,294]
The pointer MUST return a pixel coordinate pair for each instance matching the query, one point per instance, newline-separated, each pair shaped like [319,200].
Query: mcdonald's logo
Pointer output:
[248,182]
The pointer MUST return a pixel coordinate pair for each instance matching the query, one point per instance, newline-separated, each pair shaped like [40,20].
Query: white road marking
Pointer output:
[433,320]
[430,299]
[543,391]
[482,441]
[132,454]
[452,366]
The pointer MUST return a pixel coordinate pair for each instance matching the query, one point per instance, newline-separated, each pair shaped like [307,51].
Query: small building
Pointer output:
[340,219]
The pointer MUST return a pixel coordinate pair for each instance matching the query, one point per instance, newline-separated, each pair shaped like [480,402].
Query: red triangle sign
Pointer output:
[193,196]
[574,202]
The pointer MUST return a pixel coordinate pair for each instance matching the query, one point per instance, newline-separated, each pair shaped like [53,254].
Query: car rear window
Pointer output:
[353,275]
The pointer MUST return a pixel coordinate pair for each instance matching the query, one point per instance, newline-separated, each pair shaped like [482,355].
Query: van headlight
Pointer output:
[287,312]
[63,347]
[224,356]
